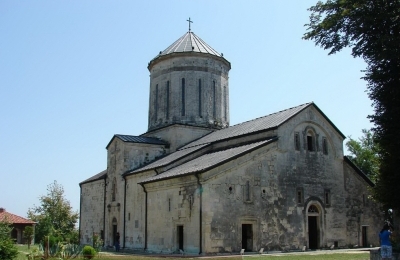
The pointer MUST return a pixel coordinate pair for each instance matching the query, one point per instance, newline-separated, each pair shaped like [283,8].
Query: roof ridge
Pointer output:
[254,119]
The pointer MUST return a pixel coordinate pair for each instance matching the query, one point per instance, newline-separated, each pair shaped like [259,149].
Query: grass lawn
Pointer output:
[23,249]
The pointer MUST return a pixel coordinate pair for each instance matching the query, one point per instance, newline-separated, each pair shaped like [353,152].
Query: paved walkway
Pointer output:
[248,254]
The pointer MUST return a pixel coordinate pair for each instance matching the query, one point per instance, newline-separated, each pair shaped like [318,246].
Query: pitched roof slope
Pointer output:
[137,139]
[189,42]
[207,161]
[167,159]
[14,219]
[255,125]
[99,176]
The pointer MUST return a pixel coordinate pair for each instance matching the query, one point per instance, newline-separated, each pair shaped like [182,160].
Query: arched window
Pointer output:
[310,141]
[313,209]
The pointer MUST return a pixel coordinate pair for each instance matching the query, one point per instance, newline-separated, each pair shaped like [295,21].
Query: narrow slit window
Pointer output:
[169,204]
[167,103]
[247,190]
[299,196]
[297,141]
[183,97]
[225,104]
[214,100]
[325,145]
[156,104]
[200,97]
[327,197]
[114,190]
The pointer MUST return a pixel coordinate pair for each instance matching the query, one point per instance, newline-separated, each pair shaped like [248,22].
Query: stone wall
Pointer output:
[92,211]
[173,203]
[200,104]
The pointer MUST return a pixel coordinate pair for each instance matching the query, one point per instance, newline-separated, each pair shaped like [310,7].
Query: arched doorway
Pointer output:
[313,227]
[114,230]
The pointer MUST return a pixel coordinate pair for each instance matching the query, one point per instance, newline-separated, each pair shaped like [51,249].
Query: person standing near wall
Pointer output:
[384,238]
[117,242]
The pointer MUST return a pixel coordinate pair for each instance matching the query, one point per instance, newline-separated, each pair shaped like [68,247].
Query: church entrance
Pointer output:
[313,232]
[313,227]
[180,237]
[247,237]
[114,230]
[364,236]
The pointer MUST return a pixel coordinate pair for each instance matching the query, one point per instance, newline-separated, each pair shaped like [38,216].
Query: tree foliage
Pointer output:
[8,250]
[364,153]
[54,216]
[372,30]
[28,235]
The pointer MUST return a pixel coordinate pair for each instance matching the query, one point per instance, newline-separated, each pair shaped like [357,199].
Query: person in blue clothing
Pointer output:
[117,242]
[384,238]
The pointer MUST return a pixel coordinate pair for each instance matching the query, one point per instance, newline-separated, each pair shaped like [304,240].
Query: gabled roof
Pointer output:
[268,122]
[358,171]
[137,139]
[99,176]
[208,161]
[14,219]
[170,158]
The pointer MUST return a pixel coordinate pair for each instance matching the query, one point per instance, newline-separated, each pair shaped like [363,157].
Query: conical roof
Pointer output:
[189,42]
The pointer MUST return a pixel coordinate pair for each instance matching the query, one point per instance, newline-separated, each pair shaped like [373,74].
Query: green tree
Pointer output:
[372,30]
[54,216]
[28,235]
[365,154]
[8,250]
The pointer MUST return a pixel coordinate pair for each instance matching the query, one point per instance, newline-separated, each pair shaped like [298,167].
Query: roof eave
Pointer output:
[160,58]
[215,165]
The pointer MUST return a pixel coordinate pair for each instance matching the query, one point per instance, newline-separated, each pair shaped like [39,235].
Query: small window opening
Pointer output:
[156,104]
[297,141]
[324,146]
[183,97]
[247,190]
[299,196]
[310,143]
[327,197]
[200,108]
[230,189]
[169,204]
[114,190]
[263,191]
[167,103]
[214,100]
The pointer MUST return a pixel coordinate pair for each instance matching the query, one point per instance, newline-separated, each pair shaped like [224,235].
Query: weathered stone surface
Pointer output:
[295,190]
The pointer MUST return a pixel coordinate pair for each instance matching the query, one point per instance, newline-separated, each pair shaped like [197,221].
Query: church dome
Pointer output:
[188,43]
[189,85]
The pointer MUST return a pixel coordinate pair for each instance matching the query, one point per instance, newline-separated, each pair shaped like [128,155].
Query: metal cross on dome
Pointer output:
[189,23]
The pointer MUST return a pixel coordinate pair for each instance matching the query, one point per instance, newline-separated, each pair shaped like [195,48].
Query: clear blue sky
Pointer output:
[74,73]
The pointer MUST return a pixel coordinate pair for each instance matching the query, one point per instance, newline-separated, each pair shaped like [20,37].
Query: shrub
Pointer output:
[88,252]
[8,250]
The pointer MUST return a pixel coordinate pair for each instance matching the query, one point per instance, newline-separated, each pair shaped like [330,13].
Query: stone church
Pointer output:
[195,183]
